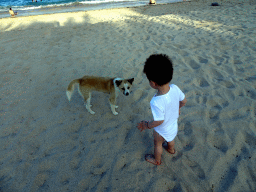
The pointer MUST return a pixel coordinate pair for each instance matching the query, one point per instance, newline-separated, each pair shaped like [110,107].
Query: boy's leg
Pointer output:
[158,150]
[170,148]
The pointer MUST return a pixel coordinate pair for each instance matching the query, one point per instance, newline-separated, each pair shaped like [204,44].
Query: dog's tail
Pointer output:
[70,88]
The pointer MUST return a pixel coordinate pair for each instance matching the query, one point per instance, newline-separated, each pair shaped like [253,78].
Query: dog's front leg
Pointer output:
[113,109]
[112,101]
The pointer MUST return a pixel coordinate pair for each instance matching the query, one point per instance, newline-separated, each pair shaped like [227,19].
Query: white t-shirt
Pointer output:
[166,107]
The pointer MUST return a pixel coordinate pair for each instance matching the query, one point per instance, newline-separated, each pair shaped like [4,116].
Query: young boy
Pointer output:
[165,105]
[12,13]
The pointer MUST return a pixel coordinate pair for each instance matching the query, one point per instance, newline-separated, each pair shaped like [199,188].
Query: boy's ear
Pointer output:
[118,82]
[154,83]
[130,80]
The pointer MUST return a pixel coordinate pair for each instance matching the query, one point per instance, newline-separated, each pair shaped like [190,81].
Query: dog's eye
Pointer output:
[128,87]
[123,89]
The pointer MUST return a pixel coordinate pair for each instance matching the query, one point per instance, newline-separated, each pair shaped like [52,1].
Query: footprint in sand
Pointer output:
[214,114]
[216,74]
[213,103]
[251,94]
[201,99]
[188,147]
[220,142]
[202,60]
[196,168]
[218,60]
[201,82]
[237,62]
[229,94]
[251,79]
[250,140]
[227,84]
[193,64]
[187,129]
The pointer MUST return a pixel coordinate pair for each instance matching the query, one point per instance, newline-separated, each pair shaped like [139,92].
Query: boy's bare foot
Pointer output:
[172,151]
[165,146]
[151,159]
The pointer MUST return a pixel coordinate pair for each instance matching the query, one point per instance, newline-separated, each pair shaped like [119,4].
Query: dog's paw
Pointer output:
[115,113]
[89,109]
[92,112]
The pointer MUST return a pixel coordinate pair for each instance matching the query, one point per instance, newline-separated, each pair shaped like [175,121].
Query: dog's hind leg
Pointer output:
[88,104]
[112,101]
[87,98]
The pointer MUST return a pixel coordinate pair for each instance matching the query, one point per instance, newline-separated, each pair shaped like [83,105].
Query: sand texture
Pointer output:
[50,144]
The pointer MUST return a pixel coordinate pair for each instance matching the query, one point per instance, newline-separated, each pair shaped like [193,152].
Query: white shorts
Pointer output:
[168,133]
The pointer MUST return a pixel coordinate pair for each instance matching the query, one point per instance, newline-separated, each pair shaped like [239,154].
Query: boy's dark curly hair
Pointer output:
[158,68]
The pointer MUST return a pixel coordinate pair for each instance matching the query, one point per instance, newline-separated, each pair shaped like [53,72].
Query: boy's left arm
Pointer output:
[149,124]
[152,123]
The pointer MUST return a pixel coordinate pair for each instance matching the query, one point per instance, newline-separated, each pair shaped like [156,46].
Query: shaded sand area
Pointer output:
[49,144]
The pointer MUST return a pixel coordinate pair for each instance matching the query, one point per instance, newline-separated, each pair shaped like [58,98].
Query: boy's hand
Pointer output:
[142,125]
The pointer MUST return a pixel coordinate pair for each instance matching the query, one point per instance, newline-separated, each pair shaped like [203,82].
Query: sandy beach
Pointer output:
[50,144]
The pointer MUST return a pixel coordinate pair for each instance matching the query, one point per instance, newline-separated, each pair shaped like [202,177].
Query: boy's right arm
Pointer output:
[182,103]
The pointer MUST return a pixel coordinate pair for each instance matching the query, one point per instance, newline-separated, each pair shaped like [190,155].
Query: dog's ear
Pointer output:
[130,80]
[118,82]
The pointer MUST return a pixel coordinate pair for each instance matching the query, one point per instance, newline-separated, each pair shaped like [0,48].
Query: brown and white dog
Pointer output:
[87,84]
